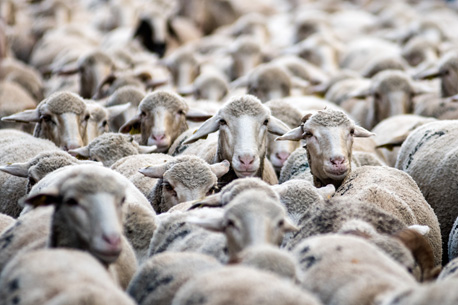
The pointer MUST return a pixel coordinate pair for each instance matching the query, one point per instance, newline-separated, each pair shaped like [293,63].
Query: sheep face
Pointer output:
[269,83]
[161,119]
[246,54]
[87,211]
[250,219]
[93,69]
[97,123]
[243,125]
[279,152]
[329,138]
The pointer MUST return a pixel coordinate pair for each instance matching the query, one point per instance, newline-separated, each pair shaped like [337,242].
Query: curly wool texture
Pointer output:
[62,102]
[126,94]
[191,171]
[110,147]
[231,190]
[285,112]
[245,105]
[166,99]
[329,118]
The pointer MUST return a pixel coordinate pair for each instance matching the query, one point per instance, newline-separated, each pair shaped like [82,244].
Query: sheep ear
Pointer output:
[68,70]
[423,230]
[289,226]
[27,116]
[132,126]
[300,83]
[154,83]
[360,132]
[277,127]
[212,201]
[16,169]
[327,191]
[360,93]
[240,82]
[185,91]
[82,152]
[428,74]
[142,149]
[219,169]
[114,111]
[293,135]
[419,88]
[212,224]
[395,142]
[154,171]
[51,196]
[197,115]
[211,125]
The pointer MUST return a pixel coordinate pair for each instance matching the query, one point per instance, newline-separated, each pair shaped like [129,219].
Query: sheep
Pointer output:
[243,124]
[70,275]
[390,93]
[159,278]
[61,118]
[358,217]
[123,95]
[241,285]
[446,71]
[110,147]
[161,118]
[278,152]
[14,99]
[178,179]
[329,138]
[246,55]
[210,85]
[17,146]
[343,270]
[419,52]
[245,217]
[268,82]
[5,222]
[391,133]
[396,193]
[427,156]
[183,66]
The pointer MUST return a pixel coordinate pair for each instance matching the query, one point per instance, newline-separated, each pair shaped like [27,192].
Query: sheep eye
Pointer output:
[446,72]
[281,223]
[142,114]
[212,190]
[222,122]
[377,95]
[123,199]
[170,189]
[104,123]
[308,134]
[180,112]
[352,131]
[71,202]
[230,224]
[266,122]
[87,117]
[47,118]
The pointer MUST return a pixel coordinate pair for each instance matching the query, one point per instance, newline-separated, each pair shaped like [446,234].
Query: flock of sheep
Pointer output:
[194,152]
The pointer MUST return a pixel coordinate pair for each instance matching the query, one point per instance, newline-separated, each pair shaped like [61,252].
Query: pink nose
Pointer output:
[113,240]
[339,160]
[282,156]
[246,159]
[159,137]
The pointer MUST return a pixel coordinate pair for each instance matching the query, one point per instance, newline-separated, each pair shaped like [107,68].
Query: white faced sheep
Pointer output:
[389,93]
[17,146]
[61,118]
[241,285]
[427,155]
[70,277]
[110,147]
[278,152]
[167,181]
[243,124]
[161,118]
[328,135]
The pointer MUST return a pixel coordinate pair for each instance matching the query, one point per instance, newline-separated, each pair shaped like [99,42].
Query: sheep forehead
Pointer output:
[210,80]
[50,155]
[126,94]
[269,75]
[245,105]
[97,112]
[94,58]
[92,183]
[193,174]
[108,143]
[62,102]
[329,118]
[387,81]
[164,99]
[255,202]
[47,165]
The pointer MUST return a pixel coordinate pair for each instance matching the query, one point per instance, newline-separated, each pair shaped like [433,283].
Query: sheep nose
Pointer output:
[70,146]
[339,160]
[158,137]
[246,159]
[113,240]
[282,156]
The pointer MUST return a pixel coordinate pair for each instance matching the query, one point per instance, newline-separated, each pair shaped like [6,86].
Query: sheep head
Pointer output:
[243,124]
[61,118]
[328,135]
[88,212]
[161,118]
